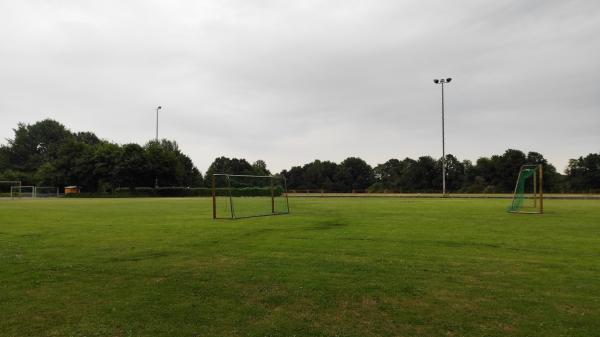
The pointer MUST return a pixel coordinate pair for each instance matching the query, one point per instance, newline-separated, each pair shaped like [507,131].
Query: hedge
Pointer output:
[124,192]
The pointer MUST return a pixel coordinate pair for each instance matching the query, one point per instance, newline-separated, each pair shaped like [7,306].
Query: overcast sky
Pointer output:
[293,81]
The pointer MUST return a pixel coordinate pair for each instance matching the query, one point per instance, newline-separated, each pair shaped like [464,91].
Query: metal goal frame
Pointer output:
[229,193]
[537,195]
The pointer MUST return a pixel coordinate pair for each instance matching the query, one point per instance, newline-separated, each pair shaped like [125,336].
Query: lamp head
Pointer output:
[436,81]
[159,107]
[448,79]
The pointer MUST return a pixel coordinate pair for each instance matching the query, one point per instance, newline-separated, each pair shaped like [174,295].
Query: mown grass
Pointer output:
[334,267]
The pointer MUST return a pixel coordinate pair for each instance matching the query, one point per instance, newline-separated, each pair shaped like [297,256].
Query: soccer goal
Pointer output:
[528,197]
[6,188]
[46,192]
[236,196]
[22,191]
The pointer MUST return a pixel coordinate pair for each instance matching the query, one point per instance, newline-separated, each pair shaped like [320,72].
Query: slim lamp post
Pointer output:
[157,108]
[156,138]
[442,81]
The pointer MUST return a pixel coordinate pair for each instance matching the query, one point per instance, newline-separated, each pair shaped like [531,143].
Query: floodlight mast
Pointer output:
[442,81]
[157,108]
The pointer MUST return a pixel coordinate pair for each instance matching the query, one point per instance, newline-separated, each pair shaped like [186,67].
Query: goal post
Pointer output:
[6,188]
[20,191]
[46,192]
[14,189]
[528,197]
[236,196]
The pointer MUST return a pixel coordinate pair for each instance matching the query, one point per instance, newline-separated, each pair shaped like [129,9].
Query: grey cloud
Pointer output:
[289,82]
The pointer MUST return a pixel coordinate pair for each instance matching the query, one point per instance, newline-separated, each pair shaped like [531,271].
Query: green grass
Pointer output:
[334,267]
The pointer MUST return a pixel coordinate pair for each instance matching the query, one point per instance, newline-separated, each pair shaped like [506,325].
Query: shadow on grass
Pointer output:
[139,256]
[326,226]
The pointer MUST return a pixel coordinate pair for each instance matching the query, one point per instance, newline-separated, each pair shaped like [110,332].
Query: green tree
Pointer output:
[388,176]
[105,159]
[4,158]
[229,166]
[425,175]
[320,175]
[36,144]
[455,174]
[87,138]
[260,168]
[295,178]
[133,168]
[583,173]
[507,169]
[354,174]
[46,153]
[552,181]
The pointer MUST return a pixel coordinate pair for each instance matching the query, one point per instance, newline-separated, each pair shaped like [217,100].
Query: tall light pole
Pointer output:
[157,108]
[156,138]
[442,81]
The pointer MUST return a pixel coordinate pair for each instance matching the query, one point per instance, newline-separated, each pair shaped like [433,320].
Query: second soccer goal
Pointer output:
[236,196]
[528,197]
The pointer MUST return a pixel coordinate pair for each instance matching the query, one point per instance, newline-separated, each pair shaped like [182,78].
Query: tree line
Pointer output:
[488,175]
[48,154]
[495,174]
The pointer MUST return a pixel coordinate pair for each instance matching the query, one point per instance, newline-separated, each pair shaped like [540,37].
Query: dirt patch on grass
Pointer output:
[571,309]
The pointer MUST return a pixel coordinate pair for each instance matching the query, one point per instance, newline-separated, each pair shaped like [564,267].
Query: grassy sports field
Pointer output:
[334,267]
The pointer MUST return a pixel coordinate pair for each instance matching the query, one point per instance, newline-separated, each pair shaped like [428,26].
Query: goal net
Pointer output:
[528,196]
[46,192]
[22,191]
[243,196]
[6,187]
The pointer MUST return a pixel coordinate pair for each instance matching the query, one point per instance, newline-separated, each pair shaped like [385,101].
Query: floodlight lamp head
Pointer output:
[448,79]
[436,81]
[159,107]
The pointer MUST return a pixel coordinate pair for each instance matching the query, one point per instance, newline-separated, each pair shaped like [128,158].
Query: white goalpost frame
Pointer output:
[19,189]
[53,192]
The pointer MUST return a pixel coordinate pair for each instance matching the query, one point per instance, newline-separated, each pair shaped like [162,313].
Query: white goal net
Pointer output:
[22,192]
[46,192]
[14,189]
